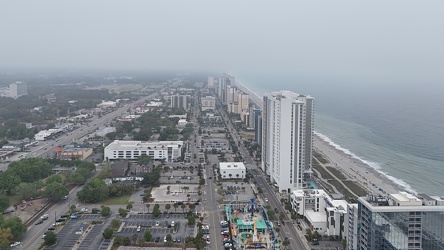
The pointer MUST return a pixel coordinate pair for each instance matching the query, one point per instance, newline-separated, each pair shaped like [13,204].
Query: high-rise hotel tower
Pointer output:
[287,138]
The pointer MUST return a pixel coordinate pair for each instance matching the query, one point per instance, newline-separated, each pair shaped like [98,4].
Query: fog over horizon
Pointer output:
[377,41]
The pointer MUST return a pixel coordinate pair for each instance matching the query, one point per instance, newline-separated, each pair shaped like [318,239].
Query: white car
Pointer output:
[266,199]
[157,223]
[138,229]
[15,244]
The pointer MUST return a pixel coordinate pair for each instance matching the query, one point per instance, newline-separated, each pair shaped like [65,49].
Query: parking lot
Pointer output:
[233,191]
[148,223]
[70,233]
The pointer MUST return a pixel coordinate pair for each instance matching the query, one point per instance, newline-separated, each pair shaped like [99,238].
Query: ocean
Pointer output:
[398,129]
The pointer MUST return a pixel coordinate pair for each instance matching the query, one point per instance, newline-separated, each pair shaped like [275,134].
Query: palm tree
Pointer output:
[167,207]
[237,175]
[183,208]
[175,205]
[148,207]
[229,176]
[192,206]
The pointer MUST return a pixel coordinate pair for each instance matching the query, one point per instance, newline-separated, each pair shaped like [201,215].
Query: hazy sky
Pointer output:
[358,38]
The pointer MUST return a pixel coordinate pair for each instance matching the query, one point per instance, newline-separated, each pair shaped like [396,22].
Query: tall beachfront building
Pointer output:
[399,221]
[287,138]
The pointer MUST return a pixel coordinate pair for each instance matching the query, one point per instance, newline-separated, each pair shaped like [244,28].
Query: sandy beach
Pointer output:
[356,169]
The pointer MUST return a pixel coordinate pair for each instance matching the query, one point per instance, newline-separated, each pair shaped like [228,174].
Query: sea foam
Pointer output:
[376,166]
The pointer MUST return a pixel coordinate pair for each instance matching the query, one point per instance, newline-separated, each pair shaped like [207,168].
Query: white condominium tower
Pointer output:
[287,138]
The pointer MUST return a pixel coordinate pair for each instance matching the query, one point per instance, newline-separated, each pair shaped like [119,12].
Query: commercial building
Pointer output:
[232,170]
[179,101]
[69,152]
[287,137]
[400,221]
[208,103]
[18,89]
[107,104]
[130,150]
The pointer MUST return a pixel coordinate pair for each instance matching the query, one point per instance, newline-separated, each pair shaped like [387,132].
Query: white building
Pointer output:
[18,89]
[232,170]
[182,123]
[162,150]
[325,215]
[107,104]
[287,137]
[208,102]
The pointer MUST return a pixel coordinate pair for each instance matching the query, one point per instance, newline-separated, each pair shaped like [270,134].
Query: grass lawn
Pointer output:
[121,200]
[337,173]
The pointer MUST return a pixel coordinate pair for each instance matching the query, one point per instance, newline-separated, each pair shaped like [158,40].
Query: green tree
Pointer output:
[169,239]
[83,172]
[123,212]
[27,190]
[271,214]
[4,202]
[107,233]
[106,211]
[8,181]
[16,226]
[167,207]
[50,239]
[55,191]
[5,238]
[191,220]
[126,241]
[135,237]
[144,160]
[54,178]
[31,169]
[93,191]
[129,206]
[281,216]
[147,236]
[76,179]
[175,205]
[183,207]
[148,207]
[156,210]
[115,223]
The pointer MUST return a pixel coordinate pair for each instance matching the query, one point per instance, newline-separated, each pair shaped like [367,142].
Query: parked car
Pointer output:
[39,222]
[64,216]
[157,239]
[138,229]
[15,244]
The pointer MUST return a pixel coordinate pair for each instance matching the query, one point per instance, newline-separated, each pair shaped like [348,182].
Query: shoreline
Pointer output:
[353,167]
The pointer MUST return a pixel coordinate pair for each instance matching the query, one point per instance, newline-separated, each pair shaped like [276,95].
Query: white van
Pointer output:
[165,239]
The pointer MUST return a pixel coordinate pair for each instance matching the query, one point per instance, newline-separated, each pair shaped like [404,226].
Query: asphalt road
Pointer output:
[287,230]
